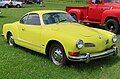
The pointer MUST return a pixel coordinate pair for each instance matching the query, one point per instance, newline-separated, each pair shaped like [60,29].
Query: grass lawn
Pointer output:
[21,63]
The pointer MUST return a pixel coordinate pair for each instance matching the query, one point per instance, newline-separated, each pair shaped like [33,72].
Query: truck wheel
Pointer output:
[18,6]
[57,54]
[75,17]
[6,6]
[112,26]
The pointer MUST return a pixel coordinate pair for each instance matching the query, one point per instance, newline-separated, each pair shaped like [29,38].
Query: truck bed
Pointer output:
[83,9]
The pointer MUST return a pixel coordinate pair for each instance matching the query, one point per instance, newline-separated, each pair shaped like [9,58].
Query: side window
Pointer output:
[33,19]
[0,0]
[24,19]
[49,18]
[96,1]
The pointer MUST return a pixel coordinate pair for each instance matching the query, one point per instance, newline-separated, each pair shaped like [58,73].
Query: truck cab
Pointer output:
[99,12]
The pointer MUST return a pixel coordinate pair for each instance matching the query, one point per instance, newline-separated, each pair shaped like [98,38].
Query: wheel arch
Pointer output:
[6,4]
[109,17]
[49,45]
[7,35]
[76,12]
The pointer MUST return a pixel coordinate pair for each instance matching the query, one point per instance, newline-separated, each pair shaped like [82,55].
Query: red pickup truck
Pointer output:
[99,12]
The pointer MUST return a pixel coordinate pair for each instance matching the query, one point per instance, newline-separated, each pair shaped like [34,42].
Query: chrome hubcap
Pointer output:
[11,41]
[57,56]
[6,6]
[111,28]
[18,6]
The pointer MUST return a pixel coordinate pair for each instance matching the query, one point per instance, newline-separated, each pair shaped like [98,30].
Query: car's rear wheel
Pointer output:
[11,40]
[112,25]
[57,54]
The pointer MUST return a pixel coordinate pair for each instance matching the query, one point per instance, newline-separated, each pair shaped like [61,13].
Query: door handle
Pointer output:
[23,29]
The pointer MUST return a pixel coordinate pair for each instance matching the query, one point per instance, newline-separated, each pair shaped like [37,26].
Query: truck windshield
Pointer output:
[57,17]
[107,1]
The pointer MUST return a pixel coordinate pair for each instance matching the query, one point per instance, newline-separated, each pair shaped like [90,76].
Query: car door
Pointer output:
[95,10]
[29,31]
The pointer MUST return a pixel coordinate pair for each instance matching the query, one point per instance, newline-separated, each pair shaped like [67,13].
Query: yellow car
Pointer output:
[56,34]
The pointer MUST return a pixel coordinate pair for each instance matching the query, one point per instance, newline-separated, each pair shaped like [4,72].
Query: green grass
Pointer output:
[21,63]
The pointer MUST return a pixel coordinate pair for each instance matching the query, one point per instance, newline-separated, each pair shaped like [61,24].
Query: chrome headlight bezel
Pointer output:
[114,38]
[79,44]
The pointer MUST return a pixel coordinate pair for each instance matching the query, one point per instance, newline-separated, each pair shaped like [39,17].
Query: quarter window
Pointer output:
[31,19]
[24,19]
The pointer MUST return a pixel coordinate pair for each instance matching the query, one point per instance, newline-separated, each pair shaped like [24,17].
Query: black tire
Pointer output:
[75,17]
[6,6]
[18,6]
[112,26]
[57,54]
[10,40]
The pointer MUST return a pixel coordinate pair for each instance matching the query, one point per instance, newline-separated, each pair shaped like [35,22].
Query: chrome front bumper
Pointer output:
[89,56]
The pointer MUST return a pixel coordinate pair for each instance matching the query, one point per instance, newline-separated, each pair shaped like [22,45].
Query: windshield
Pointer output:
[57,17]
[112,1]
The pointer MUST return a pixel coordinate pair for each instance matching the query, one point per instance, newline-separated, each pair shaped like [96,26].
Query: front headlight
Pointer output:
[79,44]
[114,38]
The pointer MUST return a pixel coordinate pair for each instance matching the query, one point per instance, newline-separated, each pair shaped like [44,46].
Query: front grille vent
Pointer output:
[107,41]
[89,45]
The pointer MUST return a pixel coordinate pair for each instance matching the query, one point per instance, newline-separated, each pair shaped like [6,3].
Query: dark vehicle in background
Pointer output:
[36,1]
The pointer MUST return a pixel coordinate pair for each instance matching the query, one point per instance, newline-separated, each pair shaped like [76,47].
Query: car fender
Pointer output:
[77,12]
[10,28]
[110,14]
[69,46]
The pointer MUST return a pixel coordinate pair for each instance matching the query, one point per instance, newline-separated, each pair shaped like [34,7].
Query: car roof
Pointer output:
[45,11]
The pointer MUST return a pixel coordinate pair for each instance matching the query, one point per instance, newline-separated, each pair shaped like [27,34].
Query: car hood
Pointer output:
[113,5]
[75,29]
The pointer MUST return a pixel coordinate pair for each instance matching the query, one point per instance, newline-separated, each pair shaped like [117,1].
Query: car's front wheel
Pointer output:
[57,54]
[11,40]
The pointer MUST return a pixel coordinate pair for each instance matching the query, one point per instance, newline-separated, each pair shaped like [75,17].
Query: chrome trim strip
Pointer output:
[89,56]
[29,43]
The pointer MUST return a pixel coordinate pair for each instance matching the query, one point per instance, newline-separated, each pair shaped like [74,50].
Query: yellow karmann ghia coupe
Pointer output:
[56,34]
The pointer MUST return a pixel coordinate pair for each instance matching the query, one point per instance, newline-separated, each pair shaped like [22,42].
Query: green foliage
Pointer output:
[21,63]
